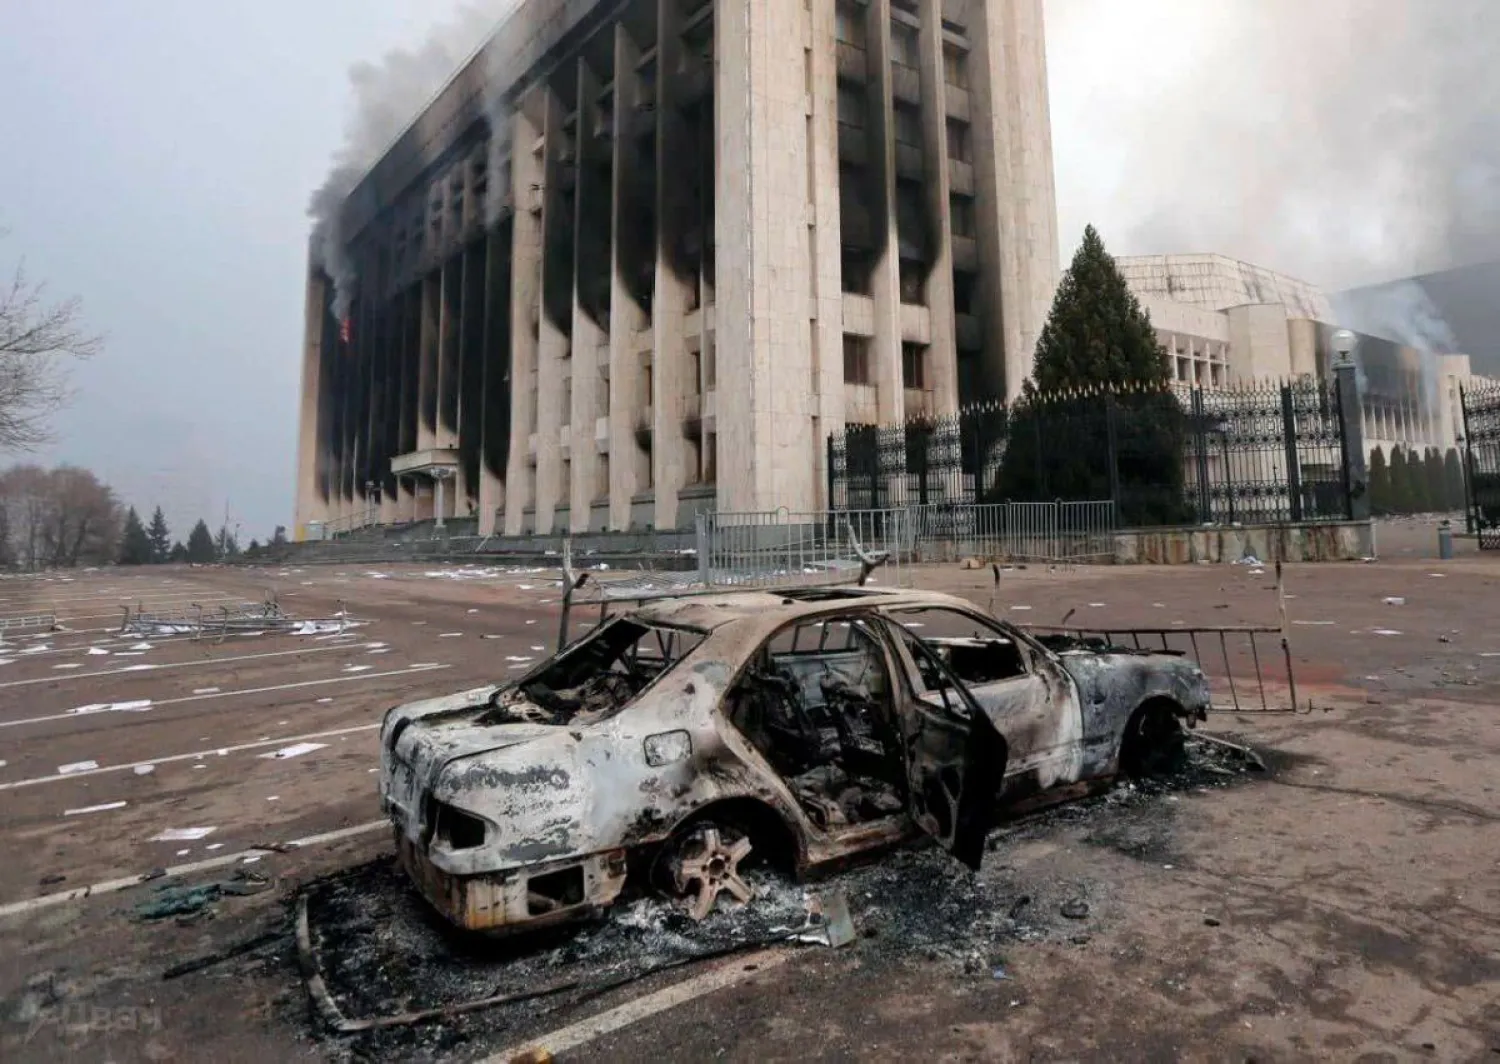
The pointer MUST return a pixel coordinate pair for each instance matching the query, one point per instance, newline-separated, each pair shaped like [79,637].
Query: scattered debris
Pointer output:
[295,750]
[181,900]
[183,834]
[1075,909]
[103,808]
[139,705]
[1211,921]
[1394,600]
[144,770]
[77,766]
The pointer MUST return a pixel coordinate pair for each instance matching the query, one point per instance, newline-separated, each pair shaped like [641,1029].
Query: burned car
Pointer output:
[673,743]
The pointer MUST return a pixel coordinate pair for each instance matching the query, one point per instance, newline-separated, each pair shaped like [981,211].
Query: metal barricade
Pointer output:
[1042,532]
[783,548]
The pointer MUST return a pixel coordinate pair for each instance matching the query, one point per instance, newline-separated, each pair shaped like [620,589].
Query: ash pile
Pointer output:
[384,952]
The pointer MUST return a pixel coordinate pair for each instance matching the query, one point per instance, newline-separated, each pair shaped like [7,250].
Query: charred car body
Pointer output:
[673,742]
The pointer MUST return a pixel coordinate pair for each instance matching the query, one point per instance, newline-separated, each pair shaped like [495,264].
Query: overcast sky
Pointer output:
[159,155]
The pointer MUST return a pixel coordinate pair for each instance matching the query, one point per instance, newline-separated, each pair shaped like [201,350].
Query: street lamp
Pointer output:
[1343,344]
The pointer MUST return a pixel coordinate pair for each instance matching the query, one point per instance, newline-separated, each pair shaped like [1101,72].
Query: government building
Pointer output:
[640,258]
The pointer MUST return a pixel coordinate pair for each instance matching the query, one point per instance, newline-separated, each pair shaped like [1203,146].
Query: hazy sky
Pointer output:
[160,154]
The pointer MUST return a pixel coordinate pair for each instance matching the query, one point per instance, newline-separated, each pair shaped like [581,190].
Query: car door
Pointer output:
[1030,702]
[953,758]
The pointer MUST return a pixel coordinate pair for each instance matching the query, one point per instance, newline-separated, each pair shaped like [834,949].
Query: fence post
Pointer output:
[1352,429]
[1200,451]
[1293,464]
[1469,505]
[704,549]
[1111,430]
[832,504]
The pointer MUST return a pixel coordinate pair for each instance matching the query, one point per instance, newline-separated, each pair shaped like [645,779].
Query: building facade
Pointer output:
[1224,323]
[642,257]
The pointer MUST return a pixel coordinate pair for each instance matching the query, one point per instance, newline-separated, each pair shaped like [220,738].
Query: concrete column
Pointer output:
[885,284]
[552,343]
[588,336]
[496,379]
[409,343]
[942,350]
[766,445]
[824,246]
[1016,205]
[311,504]
[431,317]
[627,391]
[673,294]
[525,302]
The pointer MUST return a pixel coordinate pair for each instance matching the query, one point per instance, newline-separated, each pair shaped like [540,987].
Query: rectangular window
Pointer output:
[959,148]
[904,45]
[908,125]
[856,360]
[849,24]
[565,417]
[956,68]
[851,105]
[695,373]
[914,365]
[711,458]
[961,210]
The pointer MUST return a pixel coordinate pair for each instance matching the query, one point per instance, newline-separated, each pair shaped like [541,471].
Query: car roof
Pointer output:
[775,607]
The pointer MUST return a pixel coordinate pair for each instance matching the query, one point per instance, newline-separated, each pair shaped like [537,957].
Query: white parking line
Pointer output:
[731,971]
[358,677]
[164,666]
[196,755]
[109,886]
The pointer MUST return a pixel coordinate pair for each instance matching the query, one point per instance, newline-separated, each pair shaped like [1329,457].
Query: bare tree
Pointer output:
[58,518]
[37,339]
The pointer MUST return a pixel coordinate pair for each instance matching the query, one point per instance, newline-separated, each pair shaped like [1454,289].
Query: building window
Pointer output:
[849,24]
[856,360]
[964,284]
[566,416]
[908,125]
[695,373]
[959,148]
[601,477]
[904,45]
[961,210]
[856,270]
[956,68]
[851,106]
[711,458]
[913,282]
[914,365]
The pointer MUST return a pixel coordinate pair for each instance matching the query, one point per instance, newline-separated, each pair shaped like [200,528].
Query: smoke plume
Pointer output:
[1342,141]
[386,95]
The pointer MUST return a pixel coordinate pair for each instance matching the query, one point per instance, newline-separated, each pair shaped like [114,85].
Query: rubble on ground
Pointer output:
[383,951]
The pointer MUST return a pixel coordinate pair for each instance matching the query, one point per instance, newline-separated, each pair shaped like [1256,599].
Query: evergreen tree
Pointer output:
[1380,483]
[225,545]
[200,545]
[253,551]
[1099,348]
[1453,481]
[135,544]
[1416,482]
[1400,494]
[161,538]
[1432,473]
[279,538]
[7,551]
[1097,332]
[178,554]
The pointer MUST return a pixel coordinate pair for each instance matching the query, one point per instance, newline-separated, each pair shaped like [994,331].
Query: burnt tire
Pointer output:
[1154,743]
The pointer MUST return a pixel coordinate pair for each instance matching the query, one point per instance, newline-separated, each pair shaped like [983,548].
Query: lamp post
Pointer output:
[1351,420]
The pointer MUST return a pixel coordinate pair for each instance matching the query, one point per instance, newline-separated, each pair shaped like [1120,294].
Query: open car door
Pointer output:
[955,760]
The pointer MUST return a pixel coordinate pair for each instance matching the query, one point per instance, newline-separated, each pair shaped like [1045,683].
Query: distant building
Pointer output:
[1225,322]
[642,257]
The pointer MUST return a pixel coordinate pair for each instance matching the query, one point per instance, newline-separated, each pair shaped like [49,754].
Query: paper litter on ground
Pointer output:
[106,807]
[183,834]
[77,766]
[295,750]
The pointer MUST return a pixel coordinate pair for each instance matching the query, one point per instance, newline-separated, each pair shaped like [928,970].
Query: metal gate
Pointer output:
[1481,407]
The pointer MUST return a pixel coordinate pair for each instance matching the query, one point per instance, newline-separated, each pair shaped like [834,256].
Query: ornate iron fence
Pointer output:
[1163,456]
[1481,407]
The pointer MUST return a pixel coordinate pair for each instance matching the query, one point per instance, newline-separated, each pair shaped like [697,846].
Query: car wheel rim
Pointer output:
[706,865]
